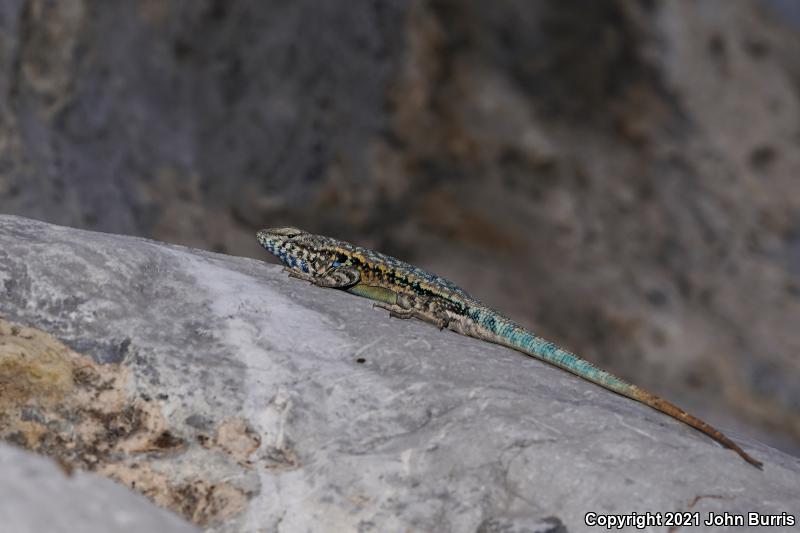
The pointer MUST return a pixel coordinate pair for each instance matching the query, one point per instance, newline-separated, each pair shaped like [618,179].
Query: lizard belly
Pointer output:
[374,292]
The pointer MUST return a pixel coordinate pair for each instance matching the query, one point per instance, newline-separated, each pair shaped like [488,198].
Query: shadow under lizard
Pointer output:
[409,292]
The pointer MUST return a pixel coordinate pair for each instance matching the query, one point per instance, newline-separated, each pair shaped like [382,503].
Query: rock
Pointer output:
[39,496]
[638,160]
[244,400]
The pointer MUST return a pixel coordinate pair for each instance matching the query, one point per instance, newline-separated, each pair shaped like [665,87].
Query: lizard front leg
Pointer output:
[341,277]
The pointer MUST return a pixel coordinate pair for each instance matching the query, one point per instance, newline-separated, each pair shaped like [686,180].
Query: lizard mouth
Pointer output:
[278,242]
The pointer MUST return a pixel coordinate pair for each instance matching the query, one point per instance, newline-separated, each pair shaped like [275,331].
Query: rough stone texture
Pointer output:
[39,496]
[619,175]
[242,399]
[112,111]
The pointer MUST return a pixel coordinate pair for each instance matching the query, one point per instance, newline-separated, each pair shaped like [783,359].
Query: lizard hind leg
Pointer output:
[395,311]
[403,306]
[412,306]
[436,313]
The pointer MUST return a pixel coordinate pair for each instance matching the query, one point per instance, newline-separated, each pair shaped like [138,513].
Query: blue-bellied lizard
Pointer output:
[409,292]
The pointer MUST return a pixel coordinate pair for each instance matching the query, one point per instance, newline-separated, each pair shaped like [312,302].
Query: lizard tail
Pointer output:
[505,332]
[676,412]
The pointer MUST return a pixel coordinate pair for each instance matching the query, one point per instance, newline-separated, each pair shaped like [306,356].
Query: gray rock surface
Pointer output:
[650,148]
[245,400]
[38,496]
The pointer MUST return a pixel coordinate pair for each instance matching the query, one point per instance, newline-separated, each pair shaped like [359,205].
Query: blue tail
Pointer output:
[495,328]
[507,333]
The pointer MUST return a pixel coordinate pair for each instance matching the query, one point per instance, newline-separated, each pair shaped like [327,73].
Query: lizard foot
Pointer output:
[295,274]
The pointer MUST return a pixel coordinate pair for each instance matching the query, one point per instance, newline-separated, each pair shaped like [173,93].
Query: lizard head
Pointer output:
[297,249]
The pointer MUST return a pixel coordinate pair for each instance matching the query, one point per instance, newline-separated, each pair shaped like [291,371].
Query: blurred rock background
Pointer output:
[620,176]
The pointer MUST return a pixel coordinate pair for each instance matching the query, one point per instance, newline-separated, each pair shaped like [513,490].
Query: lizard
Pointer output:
[410,292]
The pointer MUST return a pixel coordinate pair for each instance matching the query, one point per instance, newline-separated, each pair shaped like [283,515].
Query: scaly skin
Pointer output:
[409,292]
